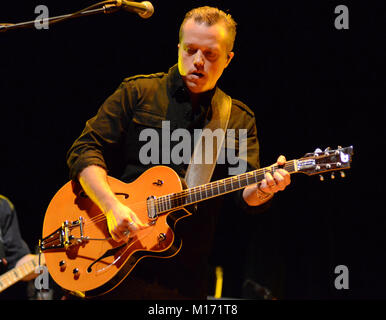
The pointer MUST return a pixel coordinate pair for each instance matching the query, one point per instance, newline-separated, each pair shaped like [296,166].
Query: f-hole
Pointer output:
[84,195]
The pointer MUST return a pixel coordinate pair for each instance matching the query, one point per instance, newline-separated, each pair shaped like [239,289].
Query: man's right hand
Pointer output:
[122,222]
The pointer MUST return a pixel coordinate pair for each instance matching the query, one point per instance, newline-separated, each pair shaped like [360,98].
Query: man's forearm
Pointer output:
[94,182]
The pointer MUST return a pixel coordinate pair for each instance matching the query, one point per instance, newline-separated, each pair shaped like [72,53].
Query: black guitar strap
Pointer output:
[204,157]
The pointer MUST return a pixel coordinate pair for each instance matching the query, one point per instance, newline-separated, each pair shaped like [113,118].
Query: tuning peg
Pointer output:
[326,151]
[318,150]
[321,177]
[342,174]
[332,176]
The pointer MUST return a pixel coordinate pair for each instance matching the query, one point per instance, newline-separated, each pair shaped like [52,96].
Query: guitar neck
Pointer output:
[217,188]
[16,274]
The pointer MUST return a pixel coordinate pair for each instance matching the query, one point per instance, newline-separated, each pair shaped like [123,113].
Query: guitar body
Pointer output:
[96,264]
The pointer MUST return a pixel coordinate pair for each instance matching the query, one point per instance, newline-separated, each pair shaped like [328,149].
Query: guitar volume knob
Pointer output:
[161,237]
[76,273]
[62,265]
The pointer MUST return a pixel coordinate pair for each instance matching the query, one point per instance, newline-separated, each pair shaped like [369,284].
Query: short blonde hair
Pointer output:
[211,16]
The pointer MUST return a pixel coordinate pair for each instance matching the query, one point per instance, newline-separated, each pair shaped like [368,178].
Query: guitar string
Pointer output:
[163,201]
[256,174]
[184,193]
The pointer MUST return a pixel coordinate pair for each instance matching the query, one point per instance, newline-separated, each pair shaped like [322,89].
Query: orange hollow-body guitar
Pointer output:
[72,250]
[82,257]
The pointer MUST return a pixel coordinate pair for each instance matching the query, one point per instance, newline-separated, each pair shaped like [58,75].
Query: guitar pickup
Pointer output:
[151,208]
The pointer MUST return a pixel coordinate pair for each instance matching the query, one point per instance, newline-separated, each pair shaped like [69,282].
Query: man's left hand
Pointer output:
[258,194]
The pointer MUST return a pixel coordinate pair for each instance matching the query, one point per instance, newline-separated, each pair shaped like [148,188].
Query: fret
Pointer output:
[245,180]
[221,188]
[210,189]
[169,198]
[164,203]
[192,196]
[199,193]
[251,177]
[157,206]
[169,202]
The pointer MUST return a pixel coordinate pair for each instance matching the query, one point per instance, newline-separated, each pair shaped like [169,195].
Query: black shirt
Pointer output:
[10,239]
[12,248]
[111,139]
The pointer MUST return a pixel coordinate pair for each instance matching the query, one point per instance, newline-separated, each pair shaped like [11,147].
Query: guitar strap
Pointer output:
[204,157]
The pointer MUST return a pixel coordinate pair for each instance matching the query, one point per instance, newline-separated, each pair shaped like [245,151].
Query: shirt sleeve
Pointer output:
[103,133]
[14,245]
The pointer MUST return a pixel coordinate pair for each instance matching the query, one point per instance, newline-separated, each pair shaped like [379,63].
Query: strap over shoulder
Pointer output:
[206,151]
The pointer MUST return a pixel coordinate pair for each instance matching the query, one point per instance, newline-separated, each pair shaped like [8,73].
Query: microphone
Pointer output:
[144,9]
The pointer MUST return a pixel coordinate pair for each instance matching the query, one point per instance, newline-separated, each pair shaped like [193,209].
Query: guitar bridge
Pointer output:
[63,237]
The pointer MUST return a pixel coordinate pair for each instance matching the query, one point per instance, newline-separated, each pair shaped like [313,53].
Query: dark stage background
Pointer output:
[309,84]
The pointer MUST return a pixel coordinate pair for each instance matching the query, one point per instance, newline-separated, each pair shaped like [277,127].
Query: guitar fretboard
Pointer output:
[12,276]
[217,188]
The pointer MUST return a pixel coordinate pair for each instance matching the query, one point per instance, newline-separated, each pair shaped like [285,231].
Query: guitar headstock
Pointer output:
[324,161]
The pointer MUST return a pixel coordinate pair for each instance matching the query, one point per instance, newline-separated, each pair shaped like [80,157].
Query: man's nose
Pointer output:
[198,59]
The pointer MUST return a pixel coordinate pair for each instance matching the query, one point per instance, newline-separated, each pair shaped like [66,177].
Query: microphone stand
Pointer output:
[108,7]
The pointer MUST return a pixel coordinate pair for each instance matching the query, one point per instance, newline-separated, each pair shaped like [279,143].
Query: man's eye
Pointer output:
[210,55]
[190,50]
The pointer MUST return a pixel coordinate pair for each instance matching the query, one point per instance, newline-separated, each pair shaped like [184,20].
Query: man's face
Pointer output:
[203,55]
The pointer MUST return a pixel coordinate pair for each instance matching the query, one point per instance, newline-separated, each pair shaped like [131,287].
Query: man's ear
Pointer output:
[229,58]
